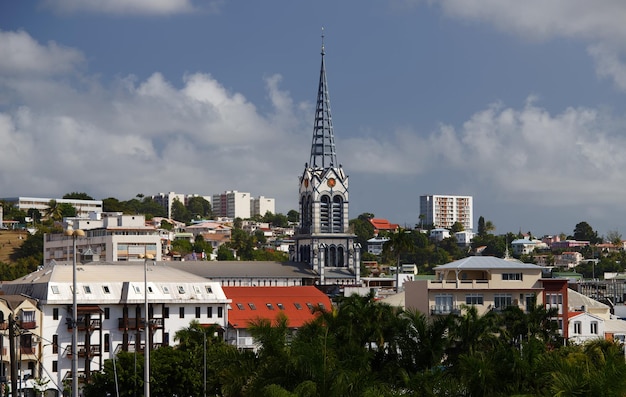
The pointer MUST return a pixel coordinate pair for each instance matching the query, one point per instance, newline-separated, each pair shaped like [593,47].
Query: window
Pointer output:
[55,366]
[209,311]
[577,327]
[107,343]
[208,290]
[310,306]
[280,306]
[297,305]
[197,311]
[137,289]
[220,312]
[106,289]
[512,276]
[166,312]
[87,289]
[444,303]
[166,290]
[269,306]
[181,312]
[474,299]
[55,313]
[321,305]
[55,343]
[55,289]
[107,313]
[150,289]
[196,289]
[181,289]
[594,327]
[28,316]
[502,300]
[252,306]
[241,306]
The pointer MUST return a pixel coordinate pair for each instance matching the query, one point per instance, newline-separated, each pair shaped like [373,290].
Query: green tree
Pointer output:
[224,253]
[199,208]
[363,228]
[54,210]
[111,204]
[77,196]
[293,216]
[399,243]
[180,212]
[456,227]
[584,232]
[201,246]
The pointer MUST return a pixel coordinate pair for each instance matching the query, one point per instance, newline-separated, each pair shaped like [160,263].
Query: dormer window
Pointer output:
[181,289]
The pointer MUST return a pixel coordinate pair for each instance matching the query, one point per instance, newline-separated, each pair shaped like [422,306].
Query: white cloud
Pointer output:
[21,55]
[130,7]
[143,136]
[599,24]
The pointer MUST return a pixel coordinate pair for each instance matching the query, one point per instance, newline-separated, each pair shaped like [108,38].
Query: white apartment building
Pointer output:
[444,211]
[109,236]
[261,205]
[83,207]
[232,204]
[167,199]
[111,311]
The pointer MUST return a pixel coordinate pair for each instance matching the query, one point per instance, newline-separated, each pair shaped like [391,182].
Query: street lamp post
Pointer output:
[147,327]
[74,234]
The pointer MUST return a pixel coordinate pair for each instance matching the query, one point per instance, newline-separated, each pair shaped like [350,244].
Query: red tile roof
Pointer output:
[383,224]
[251,303]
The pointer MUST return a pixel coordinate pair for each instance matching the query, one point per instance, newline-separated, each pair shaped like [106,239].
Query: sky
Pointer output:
[518,104]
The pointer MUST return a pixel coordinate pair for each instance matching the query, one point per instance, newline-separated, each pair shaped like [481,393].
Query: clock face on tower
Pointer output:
[306,182]
[331,183]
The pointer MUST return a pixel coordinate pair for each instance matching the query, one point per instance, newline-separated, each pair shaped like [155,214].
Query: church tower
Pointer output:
[324,240]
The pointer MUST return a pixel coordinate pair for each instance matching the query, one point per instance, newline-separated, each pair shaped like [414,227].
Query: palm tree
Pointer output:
[54,210]
[399,243]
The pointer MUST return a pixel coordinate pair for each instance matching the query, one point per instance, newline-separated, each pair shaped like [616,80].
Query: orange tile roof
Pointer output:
[383,224]
[269,301]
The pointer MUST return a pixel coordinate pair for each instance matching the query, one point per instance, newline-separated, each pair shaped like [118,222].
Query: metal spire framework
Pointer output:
[323,144]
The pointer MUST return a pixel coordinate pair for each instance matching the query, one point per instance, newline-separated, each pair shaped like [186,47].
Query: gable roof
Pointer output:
[251,303]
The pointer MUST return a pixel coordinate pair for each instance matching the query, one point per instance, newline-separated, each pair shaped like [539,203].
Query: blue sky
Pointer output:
[519,104]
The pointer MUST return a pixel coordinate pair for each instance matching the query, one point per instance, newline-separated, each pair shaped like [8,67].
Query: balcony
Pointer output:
[93,325]
[93,350]
[135,324]
[27,350]
[458,284]
[444,309]
[28,324]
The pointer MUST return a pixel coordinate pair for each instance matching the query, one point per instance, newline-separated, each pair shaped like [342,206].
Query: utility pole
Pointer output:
[12,355]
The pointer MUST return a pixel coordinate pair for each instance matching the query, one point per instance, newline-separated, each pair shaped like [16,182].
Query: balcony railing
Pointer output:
[444,309]
[134,323]
[27,350]
[460,284]
[28,324]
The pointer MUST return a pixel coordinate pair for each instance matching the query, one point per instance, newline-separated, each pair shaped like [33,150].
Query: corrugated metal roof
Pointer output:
[485,263]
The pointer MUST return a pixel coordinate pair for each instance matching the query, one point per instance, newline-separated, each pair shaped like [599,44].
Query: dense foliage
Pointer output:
[365,348]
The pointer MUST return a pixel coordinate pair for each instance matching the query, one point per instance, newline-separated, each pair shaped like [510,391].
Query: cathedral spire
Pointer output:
[323,144]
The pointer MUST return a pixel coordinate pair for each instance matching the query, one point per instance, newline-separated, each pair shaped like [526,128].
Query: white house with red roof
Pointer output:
[252,303]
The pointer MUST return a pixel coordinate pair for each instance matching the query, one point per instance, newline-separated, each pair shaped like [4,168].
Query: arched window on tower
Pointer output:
[309,211]
[333,256]
[325,214]
[341,261]
[337,212]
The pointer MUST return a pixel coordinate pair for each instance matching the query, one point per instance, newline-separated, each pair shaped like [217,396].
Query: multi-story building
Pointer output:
[488,283]
[109,236]
[324,240]
[167,199]
[22,314]
[111,302]
[83,207]
[445,211]
[261,205]
[232,204]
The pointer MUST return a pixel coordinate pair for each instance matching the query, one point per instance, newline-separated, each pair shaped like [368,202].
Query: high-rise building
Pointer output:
[445,211]
[261,205]
[323,239]
[232,204]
